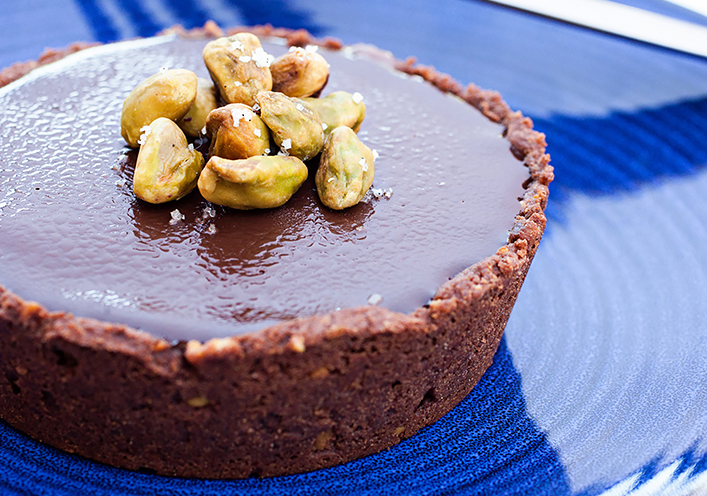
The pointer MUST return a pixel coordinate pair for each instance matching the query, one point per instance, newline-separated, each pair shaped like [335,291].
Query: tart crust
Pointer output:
[298,396]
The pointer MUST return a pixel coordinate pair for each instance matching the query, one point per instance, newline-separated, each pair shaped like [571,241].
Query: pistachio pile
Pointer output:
[263,119]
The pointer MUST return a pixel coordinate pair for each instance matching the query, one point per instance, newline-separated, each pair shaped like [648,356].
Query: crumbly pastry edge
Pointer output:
[297,396]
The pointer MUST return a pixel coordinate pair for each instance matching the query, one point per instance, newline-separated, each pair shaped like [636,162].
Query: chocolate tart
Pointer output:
[235,344]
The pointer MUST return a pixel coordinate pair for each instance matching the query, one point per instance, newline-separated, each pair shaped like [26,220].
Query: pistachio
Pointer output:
[338,109]
[296,129]
[167,94]
[195,119]
[345,170]
[167,167]
[237,132]
[255,182]
[300,72]
[239,67]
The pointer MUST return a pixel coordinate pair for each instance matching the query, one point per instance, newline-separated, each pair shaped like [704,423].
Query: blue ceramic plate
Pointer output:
[600,384]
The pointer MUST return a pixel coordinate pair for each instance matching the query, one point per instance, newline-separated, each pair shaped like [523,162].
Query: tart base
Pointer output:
[298,396]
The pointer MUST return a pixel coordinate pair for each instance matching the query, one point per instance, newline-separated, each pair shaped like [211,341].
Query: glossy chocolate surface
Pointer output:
[73,236]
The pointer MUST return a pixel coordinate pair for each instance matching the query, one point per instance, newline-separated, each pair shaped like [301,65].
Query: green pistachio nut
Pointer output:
[339,109]
[345,170]
[167,166]
[239,67]
[256,182]
[300,72]
[237,132]
[195,119]
[296,129]
[167,94]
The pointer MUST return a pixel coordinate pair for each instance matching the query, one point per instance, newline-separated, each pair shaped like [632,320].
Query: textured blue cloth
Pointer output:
[601,146]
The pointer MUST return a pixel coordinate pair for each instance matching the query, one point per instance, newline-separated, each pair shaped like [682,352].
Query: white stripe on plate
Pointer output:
[118,18]
[160,13]
[221,13]
[698,6]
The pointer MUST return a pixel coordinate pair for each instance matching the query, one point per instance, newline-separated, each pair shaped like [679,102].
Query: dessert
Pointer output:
[192,340]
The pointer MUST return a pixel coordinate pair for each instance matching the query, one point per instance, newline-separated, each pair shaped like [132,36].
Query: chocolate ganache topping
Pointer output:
[74,237]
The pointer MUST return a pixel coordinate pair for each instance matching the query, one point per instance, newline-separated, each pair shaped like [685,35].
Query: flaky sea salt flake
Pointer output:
[244,58]
[300,107]
[379,193]
[286,144]
[257,132]
[375,154]
[145,132]
[241,113]
[262,58]
[177,216]
[211,229]
[324,126]
[311,48]
[348,52]
[374,299]
[208,213]
[237,84]
[190,147]
[357,97]
[299,51]
[364,164]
